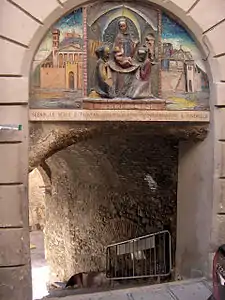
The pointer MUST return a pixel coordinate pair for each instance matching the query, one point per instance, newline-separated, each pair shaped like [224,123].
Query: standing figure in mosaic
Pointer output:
[103,77]
[141,85]
[150,44]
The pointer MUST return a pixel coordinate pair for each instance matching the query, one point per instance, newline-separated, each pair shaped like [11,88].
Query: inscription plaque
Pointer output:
[118,115]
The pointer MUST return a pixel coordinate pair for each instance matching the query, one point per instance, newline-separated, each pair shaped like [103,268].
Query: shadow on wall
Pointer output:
[104,190]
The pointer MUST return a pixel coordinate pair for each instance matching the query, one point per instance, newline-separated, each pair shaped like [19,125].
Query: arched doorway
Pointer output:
[14,78]
[172,54]
[71,80]
[190,85]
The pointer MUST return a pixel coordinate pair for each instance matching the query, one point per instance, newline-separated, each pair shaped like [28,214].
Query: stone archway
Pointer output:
[45,140]
[18,48]
[90,170]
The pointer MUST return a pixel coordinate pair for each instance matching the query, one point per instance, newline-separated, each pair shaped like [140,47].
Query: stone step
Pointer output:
[195,289]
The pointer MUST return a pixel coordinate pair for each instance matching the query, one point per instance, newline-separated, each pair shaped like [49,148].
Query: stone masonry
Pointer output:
[105,190]
[57,170]
[23,25]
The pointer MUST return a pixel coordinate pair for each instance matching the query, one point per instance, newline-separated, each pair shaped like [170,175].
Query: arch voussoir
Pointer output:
[55,139]
[24,24]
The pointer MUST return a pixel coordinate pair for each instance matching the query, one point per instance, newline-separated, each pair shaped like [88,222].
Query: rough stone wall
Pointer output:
[47,138]
[15,68]
[56,230]
[106,190]
[36,201]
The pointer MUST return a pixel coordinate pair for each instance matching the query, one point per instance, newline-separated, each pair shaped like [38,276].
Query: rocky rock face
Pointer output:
[46,138]
[36,201]
[108,189]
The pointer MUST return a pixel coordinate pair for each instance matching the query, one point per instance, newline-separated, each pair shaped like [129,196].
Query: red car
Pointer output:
[219,274]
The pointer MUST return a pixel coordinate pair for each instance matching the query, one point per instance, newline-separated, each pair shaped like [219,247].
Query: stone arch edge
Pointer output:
[214,70]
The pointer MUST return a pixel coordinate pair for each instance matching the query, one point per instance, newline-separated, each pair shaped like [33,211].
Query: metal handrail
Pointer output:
[142,257]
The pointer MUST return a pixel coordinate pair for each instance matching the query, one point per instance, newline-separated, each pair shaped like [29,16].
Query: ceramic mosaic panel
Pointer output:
[119,55]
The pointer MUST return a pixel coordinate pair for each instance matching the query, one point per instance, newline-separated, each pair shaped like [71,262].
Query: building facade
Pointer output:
[201,167]
[62,69]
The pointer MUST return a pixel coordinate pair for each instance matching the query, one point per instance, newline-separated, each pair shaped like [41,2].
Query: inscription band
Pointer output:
[119,115]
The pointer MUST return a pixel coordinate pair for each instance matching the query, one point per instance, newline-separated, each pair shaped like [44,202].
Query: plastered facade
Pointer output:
[23,25]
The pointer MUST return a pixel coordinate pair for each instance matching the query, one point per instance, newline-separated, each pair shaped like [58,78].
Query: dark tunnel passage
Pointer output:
[111,187]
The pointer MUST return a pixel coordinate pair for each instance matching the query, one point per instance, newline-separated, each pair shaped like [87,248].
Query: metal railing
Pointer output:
[142,257]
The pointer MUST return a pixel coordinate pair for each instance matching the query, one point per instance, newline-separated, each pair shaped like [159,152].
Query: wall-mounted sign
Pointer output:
[118,115]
